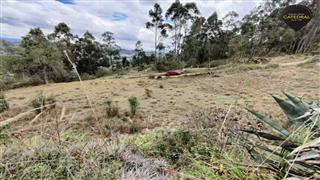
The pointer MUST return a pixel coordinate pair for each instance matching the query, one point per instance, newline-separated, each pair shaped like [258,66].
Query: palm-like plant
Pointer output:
[294,151]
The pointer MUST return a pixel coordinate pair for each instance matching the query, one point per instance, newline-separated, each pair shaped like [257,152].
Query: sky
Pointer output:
[125,18]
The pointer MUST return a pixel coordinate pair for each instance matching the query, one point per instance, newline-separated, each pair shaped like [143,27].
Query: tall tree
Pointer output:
[180,15]
[63,37]
[40,55]
[110,49]
[88,54]
[157,24]
[139,57]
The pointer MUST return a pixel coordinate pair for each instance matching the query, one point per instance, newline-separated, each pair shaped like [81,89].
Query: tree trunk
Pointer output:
[155,40]
[45,75]
[175,40]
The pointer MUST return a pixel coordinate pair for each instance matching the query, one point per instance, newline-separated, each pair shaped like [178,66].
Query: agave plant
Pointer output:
[293,151]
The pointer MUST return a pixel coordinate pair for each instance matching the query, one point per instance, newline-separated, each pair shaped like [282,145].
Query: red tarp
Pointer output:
[174,73]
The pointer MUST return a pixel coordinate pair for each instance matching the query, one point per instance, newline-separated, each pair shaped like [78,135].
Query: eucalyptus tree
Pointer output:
[140,56]
[181,15]
[194,45]
[87,53]
[110,49]
[62,34]
[157,24]
[63,37]
[40,56]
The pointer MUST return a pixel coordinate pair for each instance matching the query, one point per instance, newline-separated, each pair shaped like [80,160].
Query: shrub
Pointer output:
[85,76]
[4,135]
[41,102]
[165,64]
[123,125]
[298,150]
[111,109]
[133,105]
[102,71]
[4,105]
[72,76]
[179,146]
[35,80]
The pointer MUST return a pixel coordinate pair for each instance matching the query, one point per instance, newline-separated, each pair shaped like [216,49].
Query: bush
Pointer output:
[166,64]
[178,146]
[4,135]
[133,104]
[41,102]
[6,81]
[35,80]
[4,105]
[86,76]
[102,71]
[112,110]
[123,125]
[72,76]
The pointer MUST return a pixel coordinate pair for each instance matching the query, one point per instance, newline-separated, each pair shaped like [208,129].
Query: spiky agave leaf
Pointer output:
[297,111]
[270,122]
[264,135]
[291,110]
[278,140]
[297,101]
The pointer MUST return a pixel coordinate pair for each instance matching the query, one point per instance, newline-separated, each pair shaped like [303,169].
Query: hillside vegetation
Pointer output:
[218,98]
[179,128]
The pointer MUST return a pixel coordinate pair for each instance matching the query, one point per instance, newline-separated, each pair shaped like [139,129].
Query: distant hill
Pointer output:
[11,40]
[130,53]
[5,46]
[127,53]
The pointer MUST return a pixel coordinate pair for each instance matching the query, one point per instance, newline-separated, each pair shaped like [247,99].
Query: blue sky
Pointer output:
[125,18]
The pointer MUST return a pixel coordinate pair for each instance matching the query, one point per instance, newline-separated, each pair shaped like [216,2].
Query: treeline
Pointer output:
[40,58]
[196,40]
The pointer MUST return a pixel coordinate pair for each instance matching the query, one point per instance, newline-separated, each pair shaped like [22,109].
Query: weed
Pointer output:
[133,105]
[41,102]
[4,135]
[112,109]
[176,147]
[103,71]
[70,161]
[4,105]
[122,126]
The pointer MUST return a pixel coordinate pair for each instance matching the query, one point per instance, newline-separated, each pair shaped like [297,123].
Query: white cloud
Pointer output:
[17,17]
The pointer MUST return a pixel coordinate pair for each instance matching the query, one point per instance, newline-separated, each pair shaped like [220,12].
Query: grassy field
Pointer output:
[171,99]
[165,103]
